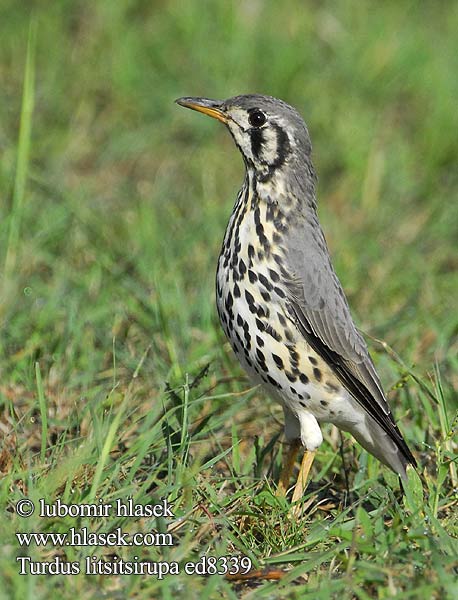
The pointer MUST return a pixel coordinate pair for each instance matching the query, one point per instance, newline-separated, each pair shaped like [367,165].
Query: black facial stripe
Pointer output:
[282,150]
[283,147]
[257,140]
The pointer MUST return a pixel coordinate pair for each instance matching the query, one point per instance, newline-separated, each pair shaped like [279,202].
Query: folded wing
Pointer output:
[318,306]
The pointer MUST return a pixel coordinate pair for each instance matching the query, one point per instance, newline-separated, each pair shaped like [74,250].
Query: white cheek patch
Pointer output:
[269,147]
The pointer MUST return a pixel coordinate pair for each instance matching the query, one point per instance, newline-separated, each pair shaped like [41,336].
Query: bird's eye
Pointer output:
[257,118]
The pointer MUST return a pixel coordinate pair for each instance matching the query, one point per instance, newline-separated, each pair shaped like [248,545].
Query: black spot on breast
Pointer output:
[260,355]
[249,298]
[246,333]
[257,216]
[259,341]
[288,335]
[260,325]
[324,403]
[239,320]
[294,356]
[242,268]
[254,199]
[262,237]
[263,366]
[291,377]
[265,296]
[236,291]
[271,331]
[275,277]
[317,373]
[260,230]
[278,361]
[303,404]
[250,254]
[265,282]
[273,381]
[279,292]
[252,276]
[303,378]
[313,360]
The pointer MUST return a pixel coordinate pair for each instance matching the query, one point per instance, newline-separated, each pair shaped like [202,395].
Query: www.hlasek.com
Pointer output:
[112,565]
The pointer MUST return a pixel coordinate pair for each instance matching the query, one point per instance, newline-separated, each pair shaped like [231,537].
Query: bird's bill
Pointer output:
[212,108]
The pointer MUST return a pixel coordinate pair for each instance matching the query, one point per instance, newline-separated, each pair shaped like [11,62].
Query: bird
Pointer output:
[279,300]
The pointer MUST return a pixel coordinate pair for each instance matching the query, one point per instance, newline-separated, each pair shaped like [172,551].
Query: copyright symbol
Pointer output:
[25,507]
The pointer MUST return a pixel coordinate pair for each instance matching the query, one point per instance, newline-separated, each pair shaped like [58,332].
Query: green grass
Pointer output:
[115,378]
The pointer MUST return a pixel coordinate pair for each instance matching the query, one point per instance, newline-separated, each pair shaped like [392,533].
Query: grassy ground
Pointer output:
[115,379]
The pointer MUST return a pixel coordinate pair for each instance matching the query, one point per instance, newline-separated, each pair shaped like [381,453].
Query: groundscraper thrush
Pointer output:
[279,300]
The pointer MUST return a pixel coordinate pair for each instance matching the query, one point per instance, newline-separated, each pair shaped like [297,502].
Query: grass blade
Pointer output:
[23,154]
[43,411]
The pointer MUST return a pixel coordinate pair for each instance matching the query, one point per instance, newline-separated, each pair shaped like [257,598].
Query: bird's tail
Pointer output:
[375,440]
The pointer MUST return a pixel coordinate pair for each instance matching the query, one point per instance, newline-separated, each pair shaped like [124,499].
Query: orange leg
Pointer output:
[287,471]
[304,471]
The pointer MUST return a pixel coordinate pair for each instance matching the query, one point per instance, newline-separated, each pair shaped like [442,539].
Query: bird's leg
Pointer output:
[304,471]
[288,466]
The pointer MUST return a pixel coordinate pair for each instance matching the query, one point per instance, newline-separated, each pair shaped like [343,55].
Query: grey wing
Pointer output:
[320,310]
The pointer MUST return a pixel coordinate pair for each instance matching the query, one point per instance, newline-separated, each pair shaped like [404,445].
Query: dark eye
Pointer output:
[257,118]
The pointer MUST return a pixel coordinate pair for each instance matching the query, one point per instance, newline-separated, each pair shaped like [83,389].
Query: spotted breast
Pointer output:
[251,292]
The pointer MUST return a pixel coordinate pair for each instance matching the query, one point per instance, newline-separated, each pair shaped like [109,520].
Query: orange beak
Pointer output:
[212,108]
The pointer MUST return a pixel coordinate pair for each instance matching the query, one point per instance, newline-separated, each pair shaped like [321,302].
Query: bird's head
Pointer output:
[269,133]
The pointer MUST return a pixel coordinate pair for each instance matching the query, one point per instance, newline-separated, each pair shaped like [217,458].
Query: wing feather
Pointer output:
[319,308]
